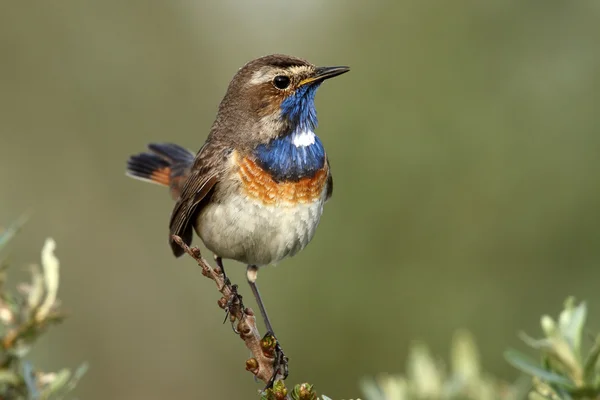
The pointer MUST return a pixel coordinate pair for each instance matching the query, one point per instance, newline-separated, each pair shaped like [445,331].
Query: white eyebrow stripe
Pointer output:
[265,74]
[300,70]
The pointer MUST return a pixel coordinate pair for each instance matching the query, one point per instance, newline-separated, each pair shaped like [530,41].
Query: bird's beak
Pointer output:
[322,73]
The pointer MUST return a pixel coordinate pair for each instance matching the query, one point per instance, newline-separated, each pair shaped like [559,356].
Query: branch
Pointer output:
[263,350]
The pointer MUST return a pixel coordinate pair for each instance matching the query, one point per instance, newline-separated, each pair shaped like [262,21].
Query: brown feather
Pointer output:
[186,207]
[329,180]
[206,172]
[248,115]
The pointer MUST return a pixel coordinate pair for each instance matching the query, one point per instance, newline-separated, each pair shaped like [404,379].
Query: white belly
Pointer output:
[247,230]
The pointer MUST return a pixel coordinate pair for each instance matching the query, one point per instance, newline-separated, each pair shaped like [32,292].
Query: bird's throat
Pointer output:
[292,157]
[299,153]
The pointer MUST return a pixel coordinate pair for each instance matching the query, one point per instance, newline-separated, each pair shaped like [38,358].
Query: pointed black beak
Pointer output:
[322,73]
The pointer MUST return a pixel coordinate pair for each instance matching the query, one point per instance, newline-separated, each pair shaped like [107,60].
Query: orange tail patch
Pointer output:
[161,176]
[149,168]
[165,164]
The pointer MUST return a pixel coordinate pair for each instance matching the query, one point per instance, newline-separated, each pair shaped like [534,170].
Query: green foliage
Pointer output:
[429,378]
[8,234]
[24,317]
[565,370]
[303,391]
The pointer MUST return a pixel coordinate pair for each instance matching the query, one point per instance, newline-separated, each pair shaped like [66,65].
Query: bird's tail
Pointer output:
[165,164]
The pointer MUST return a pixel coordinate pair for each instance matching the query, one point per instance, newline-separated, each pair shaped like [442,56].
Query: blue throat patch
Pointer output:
[281,157]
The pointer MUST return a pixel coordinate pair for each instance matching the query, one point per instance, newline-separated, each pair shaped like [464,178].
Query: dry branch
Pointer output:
[263,350]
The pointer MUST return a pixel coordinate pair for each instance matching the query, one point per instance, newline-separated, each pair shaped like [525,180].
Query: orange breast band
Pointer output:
[259,184]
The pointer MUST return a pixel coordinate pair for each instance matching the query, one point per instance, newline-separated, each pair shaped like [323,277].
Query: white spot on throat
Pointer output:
[303,138]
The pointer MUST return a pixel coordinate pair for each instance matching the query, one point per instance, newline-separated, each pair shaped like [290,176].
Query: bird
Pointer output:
[255,191]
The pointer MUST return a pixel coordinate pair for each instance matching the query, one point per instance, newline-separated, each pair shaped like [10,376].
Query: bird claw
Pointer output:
[280,362]
[234,301]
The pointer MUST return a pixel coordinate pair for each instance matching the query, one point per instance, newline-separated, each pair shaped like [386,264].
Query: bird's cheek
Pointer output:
[272,125]
[267,106]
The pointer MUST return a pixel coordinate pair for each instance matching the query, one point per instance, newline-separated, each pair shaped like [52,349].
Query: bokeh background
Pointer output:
[465,150]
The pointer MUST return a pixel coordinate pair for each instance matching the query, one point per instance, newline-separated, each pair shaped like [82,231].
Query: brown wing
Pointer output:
[329,181]
[196,191]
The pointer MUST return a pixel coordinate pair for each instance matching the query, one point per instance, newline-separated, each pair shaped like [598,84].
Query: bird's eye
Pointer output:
[281,82]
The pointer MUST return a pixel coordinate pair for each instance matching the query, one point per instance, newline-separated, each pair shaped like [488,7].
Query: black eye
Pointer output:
[281,81]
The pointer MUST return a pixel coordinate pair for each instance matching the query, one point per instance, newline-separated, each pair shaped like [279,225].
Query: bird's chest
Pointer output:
[262,220]
[293,157]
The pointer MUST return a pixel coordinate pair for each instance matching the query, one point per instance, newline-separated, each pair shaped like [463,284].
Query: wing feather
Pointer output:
[329,180]
[185,209]
[204,175]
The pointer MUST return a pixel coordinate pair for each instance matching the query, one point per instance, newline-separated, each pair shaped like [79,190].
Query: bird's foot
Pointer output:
[272,348]
[232,305]
[234,302]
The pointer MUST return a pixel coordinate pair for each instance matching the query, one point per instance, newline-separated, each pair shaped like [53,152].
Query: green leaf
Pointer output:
[589,371]
[371,390]
[538,344]
[79,372]
[29,380]
[10,233]
[58,384]
[36,293]
[574,327]
[9,378]
[587,392]
[525,364]
[564,395]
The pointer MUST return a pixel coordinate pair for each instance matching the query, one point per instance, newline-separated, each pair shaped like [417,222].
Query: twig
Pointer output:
[263,350]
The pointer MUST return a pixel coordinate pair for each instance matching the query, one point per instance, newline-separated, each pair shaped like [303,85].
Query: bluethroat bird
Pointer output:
[255,190]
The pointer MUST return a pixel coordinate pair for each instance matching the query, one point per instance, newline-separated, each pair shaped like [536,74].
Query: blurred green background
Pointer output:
[465,150]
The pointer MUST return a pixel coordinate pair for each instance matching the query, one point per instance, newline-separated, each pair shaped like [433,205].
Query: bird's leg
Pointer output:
[235,298]
[219,262]
[281,361]
[251,275]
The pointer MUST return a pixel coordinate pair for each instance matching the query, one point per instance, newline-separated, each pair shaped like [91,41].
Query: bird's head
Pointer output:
[273,96]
